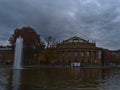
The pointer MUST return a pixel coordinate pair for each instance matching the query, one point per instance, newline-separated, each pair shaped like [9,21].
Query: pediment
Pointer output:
[75,40]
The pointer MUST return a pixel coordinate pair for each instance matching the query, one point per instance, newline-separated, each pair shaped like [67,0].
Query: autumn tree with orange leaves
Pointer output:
[32,43]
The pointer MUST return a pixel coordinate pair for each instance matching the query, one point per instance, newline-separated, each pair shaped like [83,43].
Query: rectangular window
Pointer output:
[62,54]
[76,53]
[75,40]
[99,54]
[82,53]
[69,53]
[88,53]
[94,54]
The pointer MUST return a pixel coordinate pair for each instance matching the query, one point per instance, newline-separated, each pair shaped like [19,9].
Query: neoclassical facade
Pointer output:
[76,49]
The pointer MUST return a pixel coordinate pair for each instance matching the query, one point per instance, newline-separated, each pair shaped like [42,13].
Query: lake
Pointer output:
[59,78]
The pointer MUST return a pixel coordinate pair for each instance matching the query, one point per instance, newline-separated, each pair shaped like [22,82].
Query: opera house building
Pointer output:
[76,49]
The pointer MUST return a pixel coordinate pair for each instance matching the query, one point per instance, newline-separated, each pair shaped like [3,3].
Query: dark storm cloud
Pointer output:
[90,19]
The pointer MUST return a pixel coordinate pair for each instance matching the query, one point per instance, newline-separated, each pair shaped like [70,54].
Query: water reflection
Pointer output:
[59,78]
[16,79]
[63,77]
[4,76]
[110,80]
[85,77]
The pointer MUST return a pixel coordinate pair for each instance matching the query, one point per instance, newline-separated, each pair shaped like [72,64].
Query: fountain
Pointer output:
[18,53]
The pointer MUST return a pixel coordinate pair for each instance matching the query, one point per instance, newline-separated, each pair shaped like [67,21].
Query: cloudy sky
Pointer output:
[97,20]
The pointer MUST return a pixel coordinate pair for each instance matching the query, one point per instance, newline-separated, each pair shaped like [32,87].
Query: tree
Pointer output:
[32,43]
[50,41]
[49,52]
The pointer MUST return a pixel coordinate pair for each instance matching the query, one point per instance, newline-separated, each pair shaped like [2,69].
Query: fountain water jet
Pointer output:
[18,53]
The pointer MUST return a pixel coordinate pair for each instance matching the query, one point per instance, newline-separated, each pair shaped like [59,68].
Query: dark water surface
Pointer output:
[60,78]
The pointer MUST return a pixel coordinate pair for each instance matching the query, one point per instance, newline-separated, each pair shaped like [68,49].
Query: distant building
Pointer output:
[79,50]
[111,57]
[6,55]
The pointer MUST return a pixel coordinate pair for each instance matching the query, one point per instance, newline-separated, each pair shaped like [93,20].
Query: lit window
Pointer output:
[88,54]
[82,54]
[75,40]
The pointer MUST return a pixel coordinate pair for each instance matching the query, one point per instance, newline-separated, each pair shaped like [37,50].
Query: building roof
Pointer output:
[75,39]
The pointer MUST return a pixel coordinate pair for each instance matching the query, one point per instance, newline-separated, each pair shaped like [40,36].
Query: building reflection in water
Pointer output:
[61,77]
[85,77]
[68,77]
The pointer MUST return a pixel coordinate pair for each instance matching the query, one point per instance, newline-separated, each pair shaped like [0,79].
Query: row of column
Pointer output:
[82,56]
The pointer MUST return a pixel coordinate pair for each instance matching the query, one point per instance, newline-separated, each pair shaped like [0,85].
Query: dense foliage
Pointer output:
[31,41]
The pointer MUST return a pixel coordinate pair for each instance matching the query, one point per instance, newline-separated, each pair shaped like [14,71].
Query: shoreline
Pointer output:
[60,66]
